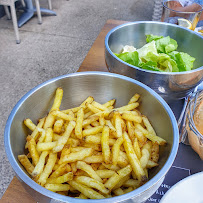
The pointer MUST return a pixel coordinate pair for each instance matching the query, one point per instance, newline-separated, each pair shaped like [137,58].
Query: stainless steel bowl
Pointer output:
[103,87]
[169,85]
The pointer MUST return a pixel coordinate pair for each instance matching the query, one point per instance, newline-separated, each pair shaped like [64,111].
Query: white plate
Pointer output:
[188,190]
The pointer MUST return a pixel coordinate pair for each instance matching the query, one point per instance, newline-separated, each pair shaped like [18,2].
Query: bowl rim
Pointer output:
[144,70]
[31,183]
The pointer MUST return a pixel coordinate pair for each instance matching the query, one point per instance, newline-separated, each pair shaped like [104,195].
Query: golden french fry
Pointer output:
[92,183]
[122,162]
[133,158]
[121,182]
[45,146]
[99,106]
[26,163]
[131,183]
[155,152]
[64,138]
[57,187]
[131,117]
[48,135]
[88,169]
[151,133]
[74,110]
[40,165]
[116,150]
[137,148]
[86,102]
[93,108]
[62,168]
[111,167]
[48,169]
[94,159]
[58,125]
[140,135]
[131,129]
[49,121]
[128,107]
[63,115]
[88,192]
[134,99]
[29,124]
[57,100]
[65,151]
[105,144]
[102,121]
[105,173]
[118,124]
[146,152]
[109,103]
[32,150]
[76,156]
[95,123]
[130,189]
[79,122]
[92,131]
[111,182]
[90,120]
[82,196]
[61,179]
[118,191]
[151,164]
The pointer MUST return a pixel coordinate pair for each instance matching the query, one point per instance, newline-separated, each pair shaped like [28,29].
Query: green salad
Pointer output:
[159,54]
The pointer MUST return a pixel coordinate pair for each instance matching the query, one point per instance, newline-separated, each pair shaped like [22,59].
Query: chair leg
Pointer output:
[38,11]
[49,4]
[7,12]
[23,3]
[15,25]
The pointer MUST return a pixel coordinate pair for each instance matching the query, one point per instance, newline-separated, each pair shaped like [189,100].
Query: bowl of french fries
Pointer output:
[91,136]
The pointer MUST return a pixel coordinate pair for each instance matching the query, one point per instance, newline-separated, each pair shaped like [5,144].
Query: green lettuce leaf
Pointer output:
[129,57]
[183,60]
[152,37]
[166,45]
[150,65]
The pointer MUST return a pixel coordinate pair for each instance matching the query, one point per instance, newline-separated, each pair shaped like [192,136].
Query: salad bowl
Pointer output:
[170,85]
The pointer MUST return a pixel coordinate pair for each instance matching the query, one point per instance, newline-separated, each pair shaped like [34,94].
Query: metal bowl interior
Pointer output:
[169,85]
[103,87]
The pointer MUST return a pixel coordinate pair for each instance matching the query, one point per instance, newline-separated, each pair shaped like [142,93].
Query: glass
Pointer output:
[186,16]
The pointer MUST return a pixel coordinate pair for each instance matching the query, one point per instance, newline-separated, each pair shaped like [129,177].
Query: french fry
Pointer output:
[134,98]
[60,170]
[131,117]
[151,164]
[29,124]
[88,192]
[63,116]
[133,158]
[105,173]
[105,144]
[121,182]
[116,150]
[61,179]
[130,129]
[128,107]
[32,150]
[40,165]
[130,189]
[89,170]
[151,133]
[102,121]
[65,151]
[57,100]
[118,191]
[58,125]
[109,103]
[82,196]
[57,187]
[146,152]
[79,122]
[26,163]
[155,152]
[48,169]
[64,138]
[92,183]
[99,106]
[131,183]
[93,108]
[117,120]
[137,148]
[76,156]
[89,120]
[86,102]
[48,135]
[94,159]
[74,110]
[92,131]
[45,146]
[111,167]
